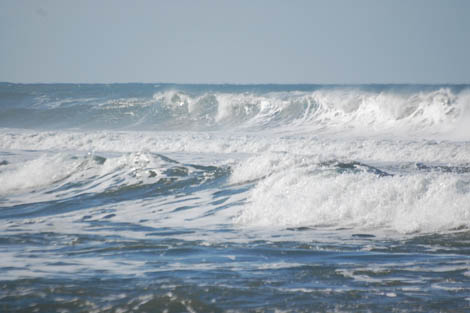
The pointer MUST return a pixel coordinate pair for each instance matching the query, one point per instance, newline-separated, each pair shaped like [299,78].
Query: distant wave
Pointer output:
[355,109]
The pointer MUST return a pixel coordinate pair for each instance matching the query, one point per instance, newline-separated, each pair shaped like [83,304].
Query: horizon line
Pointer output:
[235,84]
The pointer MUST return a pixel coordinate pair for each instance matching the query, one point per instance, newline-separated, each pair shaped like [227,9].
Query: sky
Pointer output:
[252,41]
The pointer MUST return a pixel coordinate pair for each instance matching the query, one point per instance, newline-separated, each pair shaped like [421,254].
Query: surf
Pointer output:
[362,110]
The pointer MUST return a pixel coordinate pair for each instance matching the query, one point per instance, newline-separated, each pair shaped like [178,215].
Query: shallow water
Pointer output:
[214,198]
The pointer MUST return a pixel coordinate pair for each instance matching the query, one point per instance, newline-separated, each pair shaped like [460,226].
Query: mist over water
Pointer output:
[210,198]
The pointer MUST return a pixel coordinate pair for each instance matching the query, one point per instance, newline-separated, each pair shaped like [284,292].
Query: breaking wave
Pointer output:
[67,179]
[302,191]
[361,110]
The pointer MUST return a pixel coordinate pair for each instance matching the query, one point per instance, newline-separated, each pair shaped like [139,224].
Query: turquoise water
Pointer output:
[232,198]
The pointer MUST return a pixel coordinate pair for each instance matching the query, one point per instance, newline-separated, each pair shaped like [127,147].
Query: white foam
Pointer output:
[370,149]
[300,193]
[42,171]
[347,110]
[87,173]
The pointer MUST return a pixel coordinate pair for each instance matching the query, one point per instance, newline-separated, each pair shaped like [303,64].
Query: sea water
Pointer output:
[234,198]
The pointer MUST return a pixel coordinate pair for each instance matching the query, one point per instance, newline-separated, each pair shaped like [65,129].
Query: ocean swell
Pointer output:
[359,110]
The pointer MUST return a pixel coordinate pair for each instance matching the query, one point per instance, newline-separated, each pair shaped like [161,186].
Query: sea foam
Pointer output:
[299,191]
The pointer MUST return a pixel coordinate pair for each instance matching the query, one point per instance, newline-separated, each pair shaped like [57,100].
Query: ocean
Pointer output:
[234,198]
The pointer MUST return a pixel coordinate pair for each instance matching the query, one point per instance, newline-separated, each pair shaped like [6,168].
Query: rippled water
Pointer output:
[173,198]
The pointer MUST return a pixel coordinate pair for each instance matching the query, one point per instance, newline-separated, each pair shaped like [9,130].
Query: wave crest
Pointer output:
[359,110]
[323,110]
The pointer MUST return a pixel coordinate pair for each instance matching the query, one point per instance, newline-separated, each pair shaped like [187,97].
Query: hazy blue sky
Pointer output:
[348,41]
